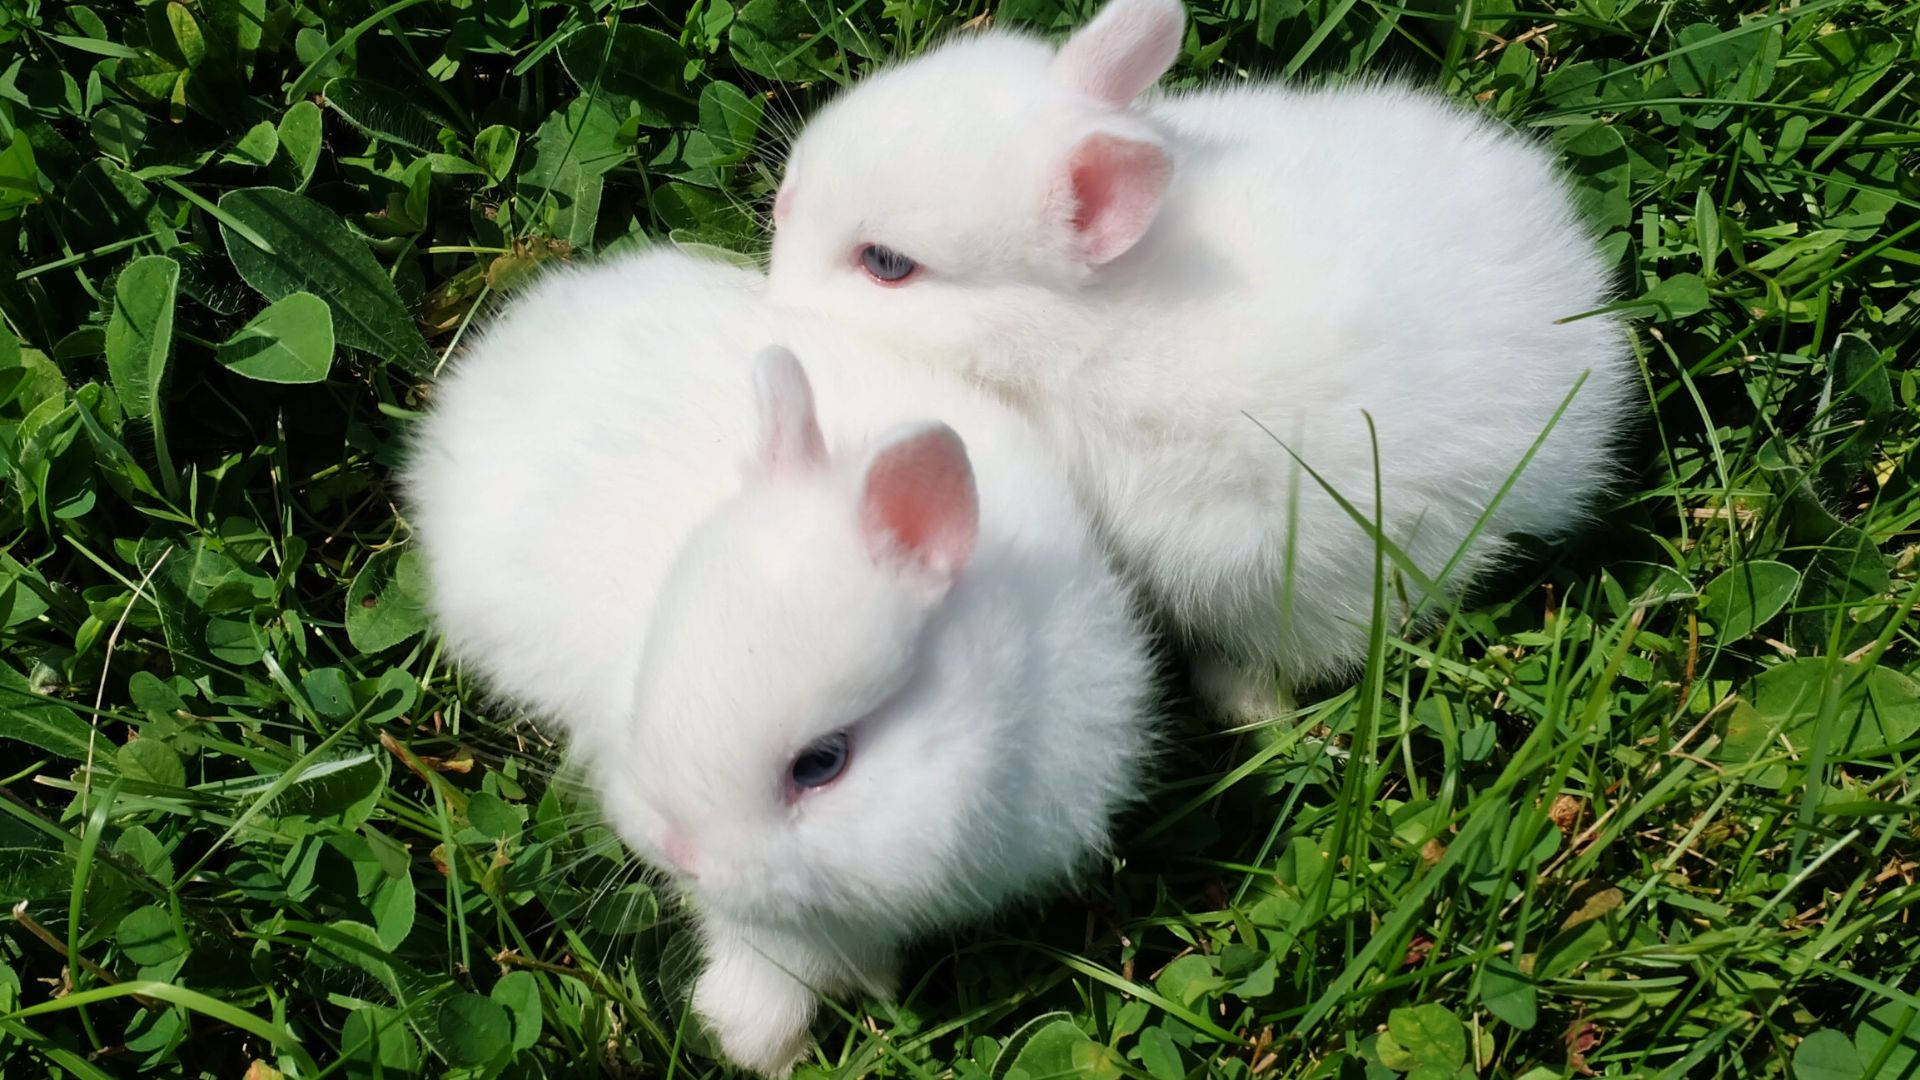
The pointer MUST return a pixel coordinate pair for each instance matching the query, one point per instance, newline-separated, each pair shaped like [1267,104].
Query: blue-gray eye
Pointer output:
[885,264]
[822,762]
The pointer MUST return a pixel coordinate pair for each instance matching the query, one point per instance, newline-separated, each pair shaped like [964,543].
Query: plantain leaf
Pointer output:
[139,337]
[386,113]
[29,718]
[314,252]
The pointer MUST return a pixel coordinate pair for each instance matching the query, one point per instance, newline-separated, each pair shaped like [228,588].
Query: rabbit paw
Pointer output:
[756,1009]
[1239,693]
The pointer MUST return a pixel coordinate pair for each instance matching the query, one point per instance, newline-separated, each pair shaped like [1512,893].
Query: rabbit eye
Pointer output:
[822,762]
[886,265]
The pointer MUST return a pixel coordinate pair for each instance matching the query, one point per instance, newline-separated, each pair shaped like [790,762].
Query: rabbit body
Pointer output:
[1210,298]
[637,531]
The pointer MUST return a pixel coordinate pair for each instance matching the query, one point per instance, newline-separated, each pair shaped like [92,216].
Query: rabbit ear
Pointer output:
[790,438]
[1124,50]
[918,500]
[1114,184]
[783,198]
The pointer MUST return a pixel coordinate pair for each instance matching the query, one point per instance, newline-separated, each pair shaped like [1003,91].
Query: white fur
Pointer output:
[607,546]
[1320,255]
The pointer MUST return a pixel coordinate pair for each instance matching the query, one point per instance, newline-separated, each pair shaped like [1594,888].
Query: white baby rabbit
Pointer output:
[1178,285]
[845,675]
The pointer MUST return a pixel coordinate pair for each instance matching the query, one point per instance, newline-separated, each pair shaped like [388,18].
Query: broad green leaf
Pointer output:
[329,692]
[393,910]
[257,146]
[573,151]
[1646,584]
[1713,57]
[214,580]
[1677,297]
[1877,707]
[234,640]
[31,381]
[1859,378]
[25,717]
[119,129]
[13,368]
[468,1029]
[1423,1036]
[140,333]
[148,938]
[1590,83]
[1706,230]
[382,699]
[1566,951]
[1257,982]
[19,176]
[703,215]
[386,604]
[1597,164]
[239,24]
[353,942]
[186,34]
[1827,1055]
[729,121]
[385,113]
[151,77]
[1160,1054]
[518,992]
[492,816]
[155,696]
[626,910]
[375,1034]
[314,252]
[1841,67]
[716,254]
[640,69]
[1189,979]
[780,40]
[1508,994]
[105,203]
[156,1032]
[341,790]
[300,138]
[495,148]
[151,760]
[1059,1048]
[140,846]
[1048,16]
[1009,1051]
[32,864]
[139,339]
[1788,261]
[290,342]
[1896,1024]
[1743,598]
[1847,570]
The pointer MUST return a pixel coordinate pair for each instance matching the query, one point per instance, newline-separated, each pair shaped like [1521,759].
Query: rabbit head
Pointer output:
[959,195]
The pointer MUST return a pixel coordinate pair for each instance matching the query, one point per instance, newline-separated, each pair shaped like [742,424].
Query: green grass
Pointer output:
[1646,806]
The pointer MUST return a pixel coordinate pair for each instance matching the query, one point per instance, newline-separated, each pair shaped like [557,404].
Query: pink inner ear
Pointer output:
[920,501]
[1117,184]
[783,203]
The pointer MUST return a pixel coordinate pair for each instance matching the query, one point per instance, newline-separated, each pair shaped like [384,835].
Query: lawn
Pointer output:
[1646,805]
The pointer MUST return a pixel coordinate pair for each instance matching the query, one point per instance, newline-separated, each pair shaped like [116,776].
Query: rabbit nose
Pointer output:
[679,851]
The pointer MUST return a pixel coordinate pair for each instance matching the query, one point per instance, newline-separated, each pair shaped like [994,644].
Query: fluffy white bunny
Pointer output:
[844,674]
[1178,285]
